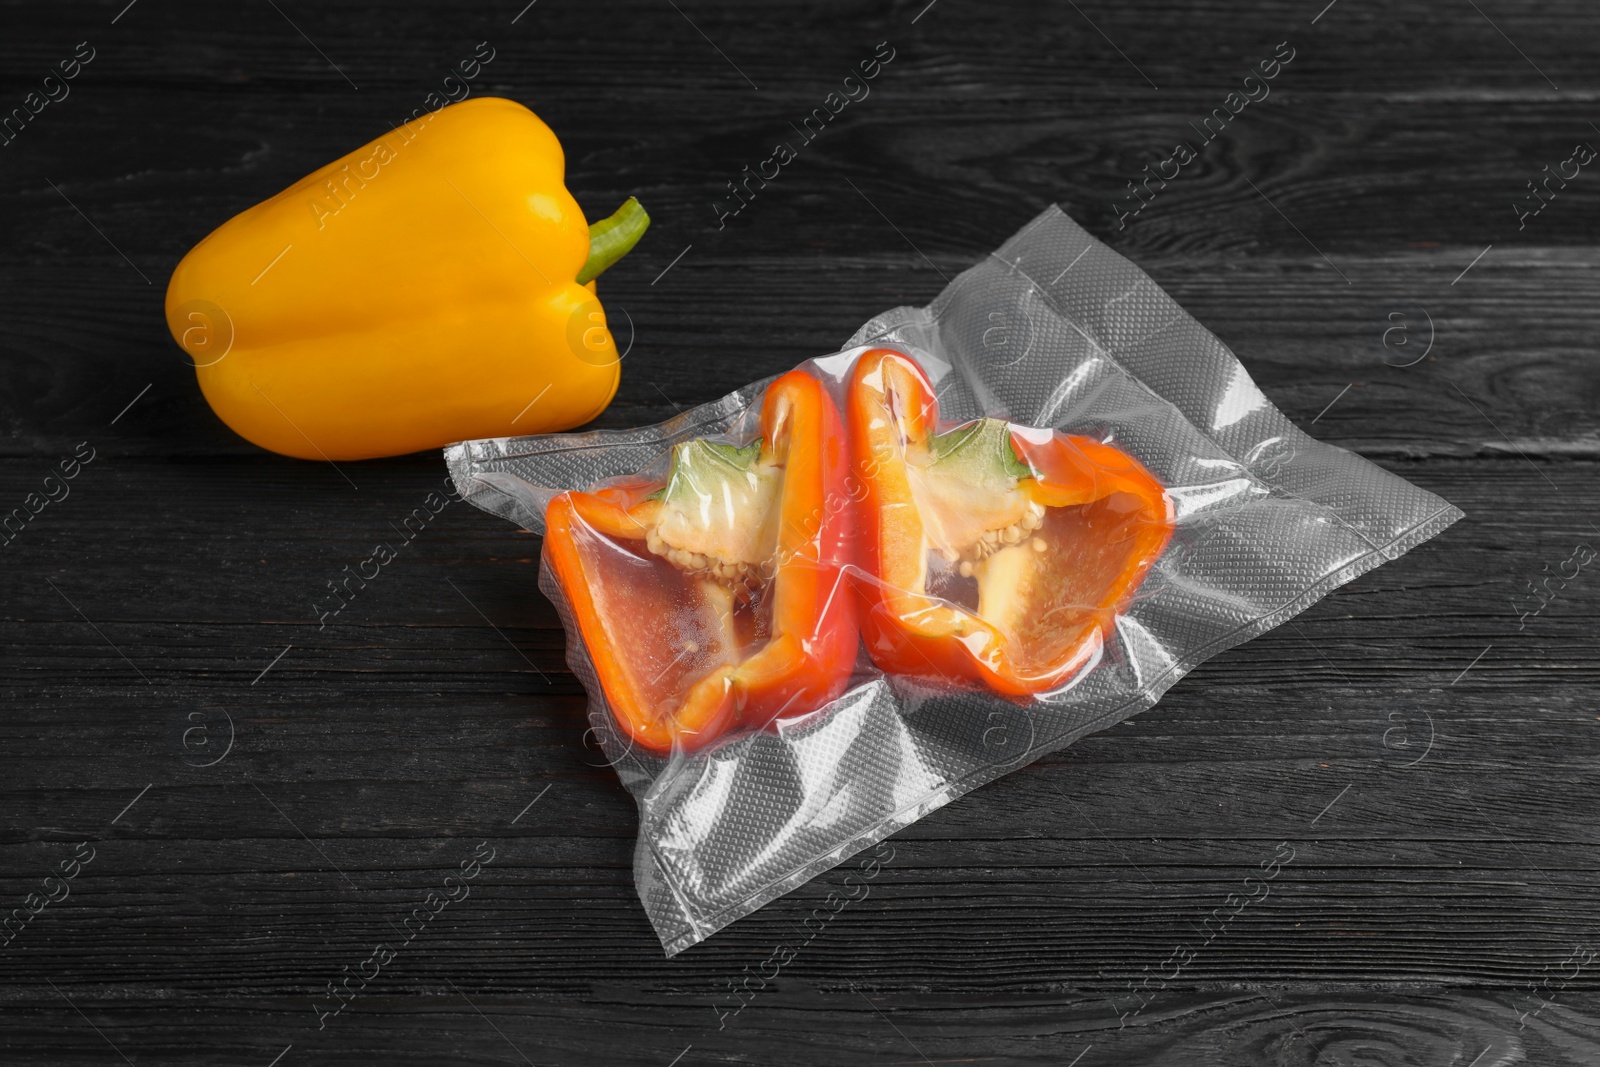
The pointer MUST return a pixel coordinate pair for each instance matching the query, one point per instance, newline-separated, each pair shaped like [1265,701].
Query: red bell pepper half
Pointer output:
[716,600]
[994,553]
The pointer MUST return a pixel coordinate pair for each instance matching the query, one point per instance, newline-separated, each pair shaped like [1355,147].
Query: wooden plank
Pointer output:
[1268,1024]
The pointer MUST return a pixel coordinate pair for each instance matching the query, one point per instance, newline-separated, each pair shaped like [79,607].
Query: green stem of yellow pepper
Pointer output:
[610,239]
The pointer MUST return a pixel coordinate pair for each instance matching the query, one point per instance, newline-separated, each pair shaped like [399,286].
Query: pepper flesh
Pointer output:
[717,601]
[1045,535]
[418,291]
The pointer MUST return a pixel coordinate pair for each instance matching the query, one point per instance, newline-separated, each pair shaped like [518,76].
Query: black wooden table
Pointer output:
[250,802]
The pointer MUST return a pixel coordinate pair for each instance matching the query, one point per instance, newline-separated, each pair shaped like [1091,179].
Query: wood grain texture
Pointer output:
[1428,755]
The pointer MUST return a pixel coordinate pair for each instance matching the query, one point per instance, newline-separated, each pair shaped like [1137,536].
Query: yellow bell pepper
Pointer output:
[433,286]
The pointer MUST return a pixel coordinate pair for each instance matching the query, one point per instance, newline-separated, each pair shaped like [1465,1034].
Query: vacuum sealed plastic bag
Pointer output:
[814,611]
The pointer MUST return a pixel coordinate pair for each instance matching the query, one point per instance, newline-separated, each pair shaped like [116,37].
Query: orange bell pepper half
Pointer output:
[994,553]
[717,600]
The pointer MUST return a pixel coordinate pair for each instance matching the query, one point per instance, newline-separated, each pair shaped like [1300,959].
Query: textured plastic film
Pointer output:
[1053,330]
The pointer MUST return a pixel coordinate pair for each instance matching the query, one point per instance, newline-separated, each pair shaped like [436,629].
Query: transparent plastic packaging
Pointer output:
[813,611]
